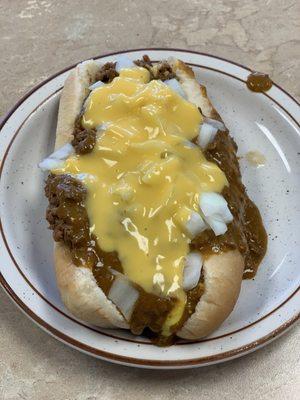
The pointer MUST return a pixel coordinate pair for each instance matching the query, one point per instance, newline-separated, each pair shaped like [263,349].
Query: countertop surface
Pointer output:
[39,38]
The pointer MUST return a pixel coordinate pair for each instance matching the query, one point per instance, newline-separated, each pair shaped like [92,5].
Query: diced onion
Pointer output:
[96,85]
[55,160]
[123,189]
[63,153]
[115,272]
[85,177]
[192,270]
[124,62]
[227,216]
[206,135]
[176,86]
[216,212]
[123,295]
[190,145]
[208,130]
[102,127]
[50,163]
[214,204]
[195,224]
[219,227]
[215,123]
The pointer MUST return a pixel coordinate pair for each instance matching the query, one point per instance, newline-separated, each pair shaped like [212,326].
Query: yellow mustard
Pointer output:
[146,179]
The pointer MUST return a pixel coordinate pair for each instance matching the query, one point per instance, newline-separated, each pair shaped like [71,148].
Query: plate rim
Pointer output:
[204,360]
[147,363]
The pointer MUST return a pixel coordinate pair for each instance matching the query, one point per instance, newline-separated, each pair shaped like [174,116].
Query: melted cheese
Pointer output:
[146,174]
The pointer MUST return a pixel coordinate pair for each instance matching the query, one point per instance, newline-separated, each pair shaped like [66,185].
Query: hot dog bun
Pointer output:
[79,290]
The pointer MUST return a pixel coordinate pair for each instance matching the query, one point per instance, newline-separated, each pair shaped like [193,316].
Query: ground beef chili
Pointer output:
[164,71]
[150,312]
[107,72]
[246,232]
[69,221]
[84,139]
[67,217]
[145,62]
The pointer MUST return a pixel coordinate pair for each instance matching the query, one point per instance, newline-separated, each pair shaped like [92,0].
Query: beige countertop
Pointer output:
[39,38]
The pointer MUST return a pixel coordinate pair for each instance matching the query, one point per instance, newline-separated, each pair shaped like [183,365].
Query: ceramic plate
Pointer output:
[267,306]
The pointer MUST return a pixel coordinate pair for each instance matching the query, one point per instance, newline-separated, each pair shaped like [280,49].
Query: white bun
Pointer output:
[222,282]
[81,294]
[78,287]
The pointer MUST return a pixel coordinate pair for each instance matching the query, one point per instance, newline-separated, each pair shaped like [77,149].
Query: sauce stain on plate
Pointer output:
[259,82]
[256,158]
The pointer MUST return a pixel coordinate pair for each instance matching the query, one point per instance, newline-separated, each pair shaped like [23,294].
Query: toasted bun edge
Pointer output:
[78,287]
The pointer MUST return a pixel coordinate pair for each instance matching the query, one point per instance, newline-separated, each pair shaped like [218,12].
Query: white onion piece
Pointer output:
[55,160]
[206,134]
[115,272]
[175,85]
[85,177]
[227,216]
[216,212]
[123,295]
[102,127]
[195,224]
[124,62]
[219,227]
[123,189]
[189,144]
[96,85]
[50,163]
[215,123]
[192,270]
[63,153]
[213,204]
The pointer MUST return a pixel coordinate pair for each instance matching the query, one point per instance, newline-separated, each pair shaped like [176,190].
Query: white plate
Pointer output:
[267,306]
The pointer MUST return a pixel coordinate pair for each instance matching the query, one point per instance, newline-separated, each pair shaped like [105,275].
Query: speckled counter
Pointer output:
[39,38]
